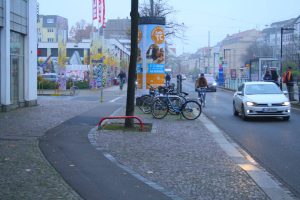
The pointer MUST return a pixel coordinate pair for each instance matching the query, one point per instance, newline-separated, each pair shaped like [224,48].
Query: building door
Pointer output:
[16,68]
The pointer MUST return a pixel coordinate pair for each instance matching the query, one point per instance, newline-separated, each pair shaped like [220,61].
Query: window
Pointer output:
[50,21]
[50,40]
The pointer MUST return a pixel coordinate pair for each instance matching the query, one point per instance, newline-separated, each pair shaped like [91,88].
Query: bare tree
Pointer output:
[81,30]
[161,8]
[256,50]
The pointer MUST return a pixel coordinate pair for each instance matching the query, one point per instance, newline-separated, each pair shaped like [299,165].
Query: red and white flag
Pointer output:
[103,18]
[95,10]
[101,12]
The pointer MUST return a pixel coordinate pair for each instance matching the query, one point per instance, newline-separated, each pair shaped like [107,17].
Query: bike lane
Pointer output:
[89,173]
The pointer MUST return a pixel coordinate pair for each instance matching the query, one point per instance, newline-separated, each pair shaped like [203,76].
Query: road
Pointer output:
[273,143]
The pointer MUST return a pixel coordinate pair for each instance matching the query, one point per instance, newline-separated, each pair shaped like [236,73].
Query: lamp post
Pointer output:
[224,58]
[281,69]
[215,53]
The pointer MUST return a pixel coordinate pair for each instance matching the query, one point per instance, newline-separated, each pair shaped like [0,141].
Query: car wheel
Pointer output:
[243,115]
[235,113]
[286,118]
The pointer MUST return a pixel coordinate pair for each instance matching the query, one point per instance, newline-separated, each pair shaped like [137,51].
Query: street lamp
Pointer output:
[224,58]
[215,53]
[281,33]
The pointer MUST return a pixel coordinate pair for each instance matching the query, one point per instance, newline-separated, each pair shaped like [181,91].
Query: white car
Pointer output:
[261,99]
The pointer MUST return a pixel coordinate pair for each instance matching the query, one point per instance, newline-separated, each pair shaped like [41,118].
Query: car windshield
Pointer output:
[262,89]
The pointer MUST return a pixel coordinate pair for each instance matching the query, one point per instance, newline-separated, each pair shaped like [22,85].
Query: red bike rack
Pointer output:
[122,117]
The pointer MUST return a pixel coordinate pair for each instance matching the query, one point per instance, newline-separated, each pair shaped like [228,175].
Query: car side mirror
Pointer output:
[239,93]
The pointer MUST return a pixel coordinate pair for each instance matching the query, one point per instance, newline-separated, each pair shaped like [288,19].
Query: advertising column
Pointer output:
[151,52]
[62,58]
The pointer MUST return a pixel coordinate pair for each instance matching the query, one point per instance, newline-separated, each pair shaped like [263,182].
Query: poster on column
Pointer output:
[96,62]
[152,45]
[139,67]
[62,59]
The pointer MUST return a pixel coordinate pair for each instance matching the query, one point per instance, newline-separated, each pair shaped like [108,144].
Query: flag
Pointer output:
[100,9]
[103,21]
[95,14]
[101,12]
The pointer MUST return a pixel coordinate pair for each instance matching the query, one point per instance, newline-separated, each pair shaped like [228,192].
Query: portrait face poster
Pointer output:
[151,55]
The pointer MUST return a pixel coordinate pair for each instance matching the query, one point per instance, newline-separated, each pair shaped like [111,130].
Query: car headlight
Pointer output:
[249,103]
[214,84]
[286,103]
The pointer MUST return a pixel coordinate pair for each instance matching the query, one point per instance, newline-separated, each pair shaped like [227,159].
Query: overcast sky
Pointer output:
[219,17]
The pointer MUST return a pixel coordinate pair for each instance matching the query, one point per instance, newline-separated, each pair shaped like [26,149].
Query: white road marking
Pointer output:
[114,100]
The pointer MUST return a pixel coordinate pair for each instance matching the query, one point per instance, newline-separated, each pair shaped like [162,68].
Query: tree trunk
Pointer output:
[132,65]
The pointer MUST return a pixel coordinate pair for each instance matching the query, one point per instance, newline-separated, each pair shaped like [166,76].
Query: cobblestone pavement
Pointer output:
[182,157]
[24,172]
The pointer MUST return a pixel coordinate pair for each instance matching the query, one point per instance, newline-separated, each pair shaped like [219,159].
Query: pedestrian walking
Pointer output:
[122,77]
[168,79]
[267,76]
[274,76]
[288,80]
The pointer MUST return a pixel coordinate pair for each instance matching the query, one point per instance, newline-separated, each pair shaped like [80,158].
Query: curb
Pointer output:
[92,139]
[267,182]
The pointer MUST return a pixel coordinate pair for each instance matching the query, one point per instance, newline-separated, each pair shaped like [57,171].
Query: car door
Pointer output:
[239,98]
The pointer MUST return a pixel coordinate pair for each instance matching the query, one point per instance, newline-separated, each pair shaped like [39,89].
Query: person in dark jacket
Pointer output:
[274,76]
[267,76]
[168,79]
[289,81]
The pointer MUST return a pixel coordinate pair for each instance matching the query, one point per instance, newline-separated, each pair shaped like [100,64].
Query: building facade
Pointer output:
[18,82]
[48,27]
[233,49]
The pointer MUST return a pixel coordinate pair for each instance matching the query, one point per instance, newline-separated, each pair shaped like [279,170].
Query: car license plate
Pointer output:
[269,109]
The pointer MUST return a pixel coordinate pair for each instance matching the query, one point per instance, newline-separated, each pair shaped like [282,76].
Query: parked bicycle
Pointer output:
[190,109]
[148,99]
[74,90]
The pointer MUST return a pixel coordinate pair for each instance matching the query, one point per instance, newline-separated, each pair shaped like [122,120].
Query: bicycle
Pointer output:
[201,95]
[190,109]
[148,99]
[74,90]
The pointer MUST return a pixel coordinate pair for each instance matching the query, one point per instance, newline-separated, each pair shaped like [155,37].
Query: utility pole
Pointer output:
[209,52]
[281,41]
[129,122]
[152,8]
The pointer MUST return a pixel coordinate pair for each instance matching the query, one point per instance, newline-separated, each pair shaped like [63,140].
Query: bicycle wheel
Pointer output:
[76,90]
[142,99]
[146,107]
[72,91]
[159,109]
[177,102]
[191,110]
[201,101]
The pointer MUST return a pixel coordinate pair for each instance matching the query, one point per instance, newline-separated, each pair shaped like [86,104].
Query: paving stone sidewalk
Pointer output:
[182,157]
[24,172]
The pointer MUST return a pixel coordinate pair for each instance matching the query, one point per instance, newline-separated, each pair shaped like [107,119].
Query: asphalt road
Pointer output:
[273,143]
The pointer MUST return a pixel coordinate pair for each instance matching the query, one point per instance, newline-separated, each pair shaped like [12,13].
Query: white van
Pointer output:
[50,77]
